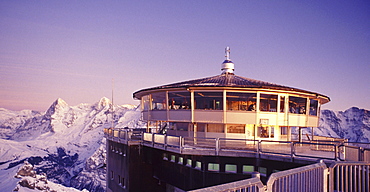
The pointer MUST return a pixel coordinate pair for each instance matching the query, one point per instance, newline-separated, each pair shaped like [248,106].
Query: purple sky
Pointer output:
[73,49]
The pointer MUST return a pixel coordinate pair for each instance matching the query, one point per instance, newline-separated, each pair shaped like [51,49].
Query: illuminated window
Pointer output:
[179,100]
[208,100]
[198,165]
[189,162]
[235,128]
[266,131]
[230,168]
[213,167]
[241,101]
[173,158]
[268,102]
[297,105]
[181,160]
[159,101]
[248,168]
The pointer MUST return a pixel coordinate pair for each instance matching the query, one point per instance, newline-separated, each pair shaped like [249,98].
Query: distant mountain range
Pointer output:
[67,142]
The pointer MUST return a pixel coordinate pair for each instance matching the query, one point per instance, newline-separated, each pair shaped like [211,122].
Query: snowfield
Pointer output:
[66,142]
[65,146]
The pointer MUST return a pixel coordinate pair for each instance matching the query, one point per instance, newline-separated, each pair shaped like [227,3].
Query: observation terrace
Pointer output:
[307,151]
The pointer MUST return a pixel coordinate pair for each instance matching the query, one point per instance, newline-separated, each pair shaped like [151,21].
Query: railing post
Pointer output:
[165,142]
[152,139]
[361,154]
[258,149]
[217,145]
[181,143]
[292,151]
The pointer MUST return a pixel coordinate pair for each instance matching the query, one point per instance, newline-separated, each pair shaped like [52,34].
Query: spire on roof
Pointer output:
[227,67]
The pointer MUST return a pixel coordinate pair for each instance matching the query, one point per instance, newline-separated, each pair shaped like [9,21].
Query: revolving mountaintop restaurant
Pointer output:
[229,106]
[230,130]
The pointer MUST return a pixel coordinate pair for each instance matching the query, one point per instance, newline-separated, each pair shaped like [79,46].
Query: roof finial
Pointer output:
[227,66]
[227,53]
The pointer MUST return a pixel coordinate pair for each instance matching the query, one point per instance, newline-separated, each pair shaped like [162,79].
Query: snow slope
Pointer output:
[67,144]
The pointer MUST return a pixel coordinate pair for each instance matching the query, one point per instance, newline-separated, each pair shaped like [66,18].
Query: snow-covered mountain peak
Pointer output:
[103,103]
[58,105]
[352,124]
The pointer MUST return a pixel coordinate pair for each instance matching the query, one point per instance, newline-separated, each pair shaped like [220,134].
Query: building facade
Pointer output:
[229,106]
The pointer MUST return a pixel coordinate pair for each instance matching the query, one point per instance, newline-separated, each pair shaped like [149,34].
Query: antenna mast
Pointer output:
[112,103]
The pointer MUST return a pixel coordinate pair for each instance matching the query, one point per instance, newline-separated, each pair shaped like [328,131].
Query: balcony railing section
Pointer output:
[330,150]
[339,176]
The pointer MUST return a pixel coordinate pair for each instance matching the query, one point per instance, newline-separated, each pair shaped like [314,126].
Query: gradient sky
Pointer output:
[73,49]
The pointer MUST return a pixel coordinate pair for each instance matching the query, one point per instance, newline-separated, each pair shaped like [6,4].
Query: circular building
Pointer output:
[229,106]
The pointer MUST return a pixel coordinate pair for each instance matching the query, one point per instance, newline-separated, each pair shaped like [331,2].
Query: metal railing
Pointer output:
[340,176]
[349,176]
[225,146]
[315,150]
[247,185]
[308,178]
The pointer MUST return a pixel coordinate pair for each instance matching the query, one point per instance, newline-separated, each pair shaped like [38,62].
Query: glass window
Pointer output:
[235,128]
[266,131]
[241,101]
[297,105]
[189,162]
[230,168]
[179,126]
[201,127]
[181,160]
[173,158]
[145,102]
[165,156]
[198,165]
[213,167]
[313,107]
[218,128]
[208,100]
[179,100]
[284,130]
[159,101]
[248,168]
[262,170]
[268,102]
[282,104]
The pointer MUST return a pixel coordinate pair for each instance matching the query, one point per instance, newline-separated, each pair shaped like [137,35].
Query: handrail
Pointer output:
[323,150]
[307,178]
[340,176]
[349,176]
[252,184]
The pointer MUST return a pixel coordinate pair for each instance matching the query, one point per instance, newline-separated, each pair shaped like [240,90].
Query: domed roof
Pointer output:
[228,81]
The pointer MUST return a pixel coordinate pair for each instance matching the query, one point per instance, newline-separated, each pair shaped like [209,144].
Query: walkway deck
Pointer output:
[287,151]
